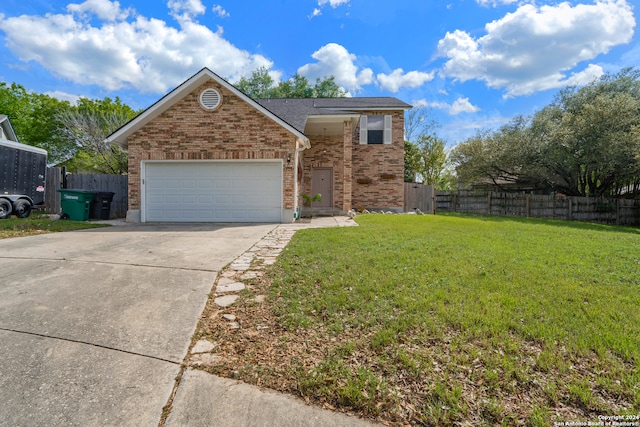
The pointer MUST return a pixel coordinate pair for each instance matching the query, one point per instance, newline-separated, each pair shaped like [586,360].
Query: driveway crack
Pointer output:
[35,334]
[110,263]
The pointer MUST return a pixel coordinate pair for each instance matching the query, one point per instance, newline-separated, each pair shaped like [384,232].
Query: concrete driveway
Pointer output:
[94,323]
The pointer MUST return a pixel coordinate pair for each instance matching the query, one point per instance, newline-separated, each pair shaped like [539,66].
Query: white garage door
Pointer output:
[226,191]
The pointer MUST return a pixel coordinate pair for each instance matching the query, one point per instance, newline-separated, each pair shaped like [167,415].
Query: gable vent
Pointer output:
[210,99]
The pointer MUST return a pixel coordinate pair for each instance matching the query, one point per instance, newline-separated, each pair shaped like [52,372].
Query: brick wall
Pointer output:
[351,161]
[325,152]
[235,130]
[374,161]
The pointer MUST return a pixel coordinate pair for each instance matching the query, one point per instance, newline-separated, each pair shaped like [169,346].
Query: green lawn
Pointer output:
[447,319]
[39,224]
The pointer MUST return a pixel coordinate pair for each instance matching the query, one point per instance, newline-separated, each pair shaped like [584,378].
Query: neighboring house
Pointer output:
[206,152]
[513,185]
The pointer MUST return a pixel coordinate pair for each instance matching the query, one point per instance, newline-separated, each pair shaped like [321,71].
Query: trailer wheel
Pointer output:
[5,208]
[21,208]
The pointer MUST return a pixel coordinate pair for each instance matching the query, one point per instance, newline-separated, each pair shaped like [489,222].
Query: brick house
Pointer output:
[206,152]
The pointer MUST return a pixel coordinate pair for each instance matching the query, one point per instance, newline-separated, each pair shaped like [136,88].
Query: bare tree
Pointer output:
[417,123]
[88,129]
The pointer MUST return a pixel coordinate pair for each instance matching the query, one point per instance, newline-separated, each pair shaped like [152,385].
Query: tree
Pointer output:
[585,143]
[425,158]
[32,118]
[499,157]
[328,88]
[88,125]
[433,159]
[417,122]
[261,85]
[411,161]
[591,136]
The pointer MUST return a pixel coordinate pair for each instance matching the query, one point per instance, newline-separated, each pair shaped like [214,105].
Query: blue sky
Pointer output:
[473,63]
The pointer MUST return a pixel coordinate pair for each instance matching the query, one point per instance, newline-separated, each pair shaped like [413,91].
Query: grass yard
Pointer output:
[39,224]
[447,320]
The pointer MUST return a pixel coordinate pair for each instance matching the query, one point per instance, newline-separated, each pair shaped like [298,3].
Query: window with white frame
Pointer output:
[375,129]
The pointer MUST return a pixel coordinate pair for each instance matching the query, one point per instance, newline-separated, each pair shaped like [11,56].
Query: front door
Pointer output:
[322,182]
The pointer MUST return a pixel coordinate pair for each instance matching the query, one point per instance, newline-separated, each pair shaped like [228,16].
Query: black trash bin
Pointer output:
[101,205]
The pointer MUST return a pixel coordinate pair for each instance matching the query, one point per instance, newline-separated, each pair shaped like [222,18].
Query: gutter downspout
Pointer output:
[301,145]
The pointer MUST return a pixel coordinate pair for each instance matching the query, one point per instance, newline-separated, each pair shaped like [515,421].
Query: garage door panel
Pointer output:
[213,192]
[205,183]
[222,184]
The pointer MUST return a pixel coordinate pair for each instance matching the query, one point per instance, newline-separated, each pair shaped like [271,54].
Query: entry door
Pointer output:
[322,182]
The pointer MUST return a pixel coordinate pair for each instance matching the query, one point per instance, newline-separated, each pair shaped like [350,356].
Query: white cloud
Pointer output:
[219,10]
[430,104]
[332,3]
[494,3]
[397,79]
[321,3]
[533,48]
[334,60]
[460,105]
[186,9]
[138,52]
[316,12]
[103,9]
[64,96]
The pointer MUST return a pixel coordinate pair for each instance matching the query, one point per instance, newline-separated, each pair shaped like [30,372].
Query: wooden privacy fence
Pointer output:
[116,184]
[419,196]
[590,209]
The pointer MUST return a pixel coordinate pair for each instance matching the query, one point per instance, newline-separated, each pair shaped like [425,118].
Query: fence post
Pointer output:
[489,203]
[569,208]
[528,205]
[433,199]
[455,204]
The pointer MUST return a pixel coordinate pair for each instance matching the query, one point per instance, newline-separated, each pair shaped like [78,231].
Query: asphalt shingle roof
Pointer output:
[296,110]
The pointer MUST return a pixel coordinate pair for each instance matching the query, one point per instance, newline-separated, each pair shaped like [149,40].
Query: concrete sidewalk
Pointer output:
[206,400]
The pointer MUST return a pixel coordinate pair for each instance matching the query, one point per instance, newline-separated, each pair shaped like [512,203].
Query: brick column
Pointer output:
[348,165]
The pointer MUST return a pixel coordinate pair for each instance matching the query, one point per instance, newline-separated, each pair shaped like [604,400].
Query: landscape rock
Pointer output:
[202,346]
[251,275]
[229,317]
[226,300]
[230,287]
[240,267]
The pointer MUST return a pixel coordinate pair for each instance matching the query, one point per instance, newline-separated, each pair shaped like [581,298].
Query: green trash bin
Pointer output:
[75,204]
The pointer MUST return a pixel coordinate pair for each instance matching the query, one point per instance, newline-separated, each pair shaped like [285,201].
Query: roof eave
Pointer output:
[333,116]
[408,107]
